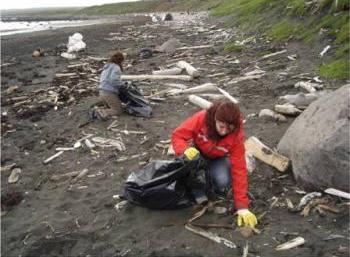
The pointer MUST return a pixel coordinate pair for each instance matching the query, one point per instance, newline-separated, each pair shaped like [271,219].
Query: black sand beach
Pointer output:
[68,218]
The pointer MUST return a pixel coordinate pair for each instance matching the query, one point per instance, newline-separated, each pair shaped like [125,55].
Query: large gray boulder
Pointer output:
[318,142]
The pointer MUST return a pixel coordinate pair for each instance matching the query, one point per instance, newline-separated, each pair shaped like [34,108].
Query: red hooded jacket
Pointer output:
[194,132]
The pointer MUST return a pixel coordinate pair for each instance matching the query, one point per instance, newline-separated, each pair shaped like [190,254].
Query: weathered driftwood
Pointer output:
[197,89]
[172,71]
[325,50]
[53,157]
[81,174]
[192,71]
[212,96]
[199,101]
[160,93]
[156,77]
[64,176]
[65,148]
[272,55]
[336,192]
[291,244]
[194,47]
[243,78]
[211,236]
[265,154]
[99,59]
[254,72]
[227,95]
[77,65]
[287,109]
[176,85]
[64,75]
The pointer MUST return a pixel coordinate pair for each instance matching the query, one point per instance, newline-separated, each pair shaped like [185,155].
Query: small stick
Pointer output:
[53,157]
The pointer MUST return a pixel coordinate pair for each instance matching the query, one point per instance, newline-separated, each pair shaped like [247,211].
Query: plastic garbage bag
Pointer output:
[136,104]
[75,43]
[162,184]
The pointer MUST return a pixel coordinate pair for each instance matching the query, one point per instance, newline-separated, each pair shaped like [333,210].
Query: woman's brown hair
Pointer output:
[224,111]
[117,58]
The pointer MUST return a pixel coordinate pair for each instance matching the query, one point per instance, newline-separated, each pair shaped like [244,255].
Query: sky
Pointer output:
[24,4]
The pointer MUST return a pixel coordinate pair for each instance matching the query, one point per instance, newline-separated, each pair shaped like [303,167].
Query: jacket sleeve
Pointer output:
[115,76]
[239,173]
[183,135]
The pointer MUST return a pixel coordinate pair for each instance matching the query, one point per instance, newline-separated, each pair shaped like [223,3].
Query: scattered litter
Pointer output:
[14,177]
[75,43]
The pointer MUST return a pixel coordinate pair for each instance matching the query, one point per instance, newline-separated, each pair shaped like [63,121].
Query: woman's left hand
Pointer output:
[246,218]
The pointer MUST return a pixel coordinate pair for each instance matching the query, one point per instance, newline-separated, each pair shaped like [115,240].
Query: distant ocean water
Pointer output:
[16,27]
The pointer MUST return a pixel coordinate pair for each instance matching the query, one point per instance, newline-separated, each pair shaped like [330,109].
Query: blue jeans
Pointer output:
[220,174]
[220,177]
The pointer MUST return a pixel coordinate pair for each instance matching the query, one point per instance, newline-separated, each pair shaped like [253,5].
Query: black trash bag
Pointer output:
[161,185]
[136,104]
[146,53]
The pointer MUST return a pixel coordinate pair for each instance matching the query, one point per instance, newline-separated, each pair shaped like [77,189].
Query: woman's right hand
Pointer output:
[191,153]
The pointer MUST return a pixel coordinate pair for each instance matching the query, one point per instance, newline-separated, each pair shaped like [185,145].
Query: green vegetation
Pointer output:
[233,47]
[283,30]
[336,69]
[310,21]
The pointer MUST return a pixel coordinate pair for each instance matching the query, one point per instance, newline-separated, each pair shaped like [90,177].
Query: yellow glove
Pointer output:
[246,218]
[191,153]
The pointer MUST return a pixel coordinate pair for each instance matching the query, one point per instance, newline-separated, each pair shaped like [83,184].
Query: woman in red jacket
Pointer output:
[217,134]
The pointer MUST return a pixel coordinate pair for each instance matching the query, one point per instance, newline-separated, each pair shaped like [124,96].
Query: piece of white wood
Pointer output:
[197,89]
[212,96]
[336,192]
[273,54]
[194,47]
[243,78]
[266,154]
[199,101]
[156,77]
[53,157]
[64,75]
[287,109]
[192,71]
[291,244]
[172,71]
[228,96]
[325,50]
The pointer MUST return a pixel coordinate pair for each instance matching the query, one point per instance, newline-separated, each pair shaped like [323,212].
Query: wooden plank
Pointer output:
[265,154]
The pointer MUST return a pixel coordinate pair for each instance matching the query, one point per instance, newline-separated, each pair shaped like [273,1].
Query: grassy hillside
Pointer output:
[151,6]
[313,22]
